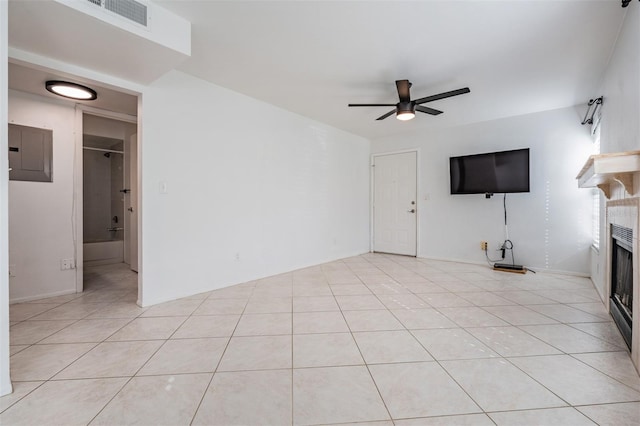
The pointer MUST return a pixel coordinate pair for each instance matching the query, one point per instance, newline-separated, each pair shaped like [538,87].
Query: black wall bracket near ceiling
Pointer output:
[592,109]
[625,3]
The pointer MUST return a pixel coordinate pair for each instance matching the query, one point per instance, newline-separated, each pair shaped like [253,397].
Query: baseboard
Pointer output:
[529,267]
[40,296]
[111,261]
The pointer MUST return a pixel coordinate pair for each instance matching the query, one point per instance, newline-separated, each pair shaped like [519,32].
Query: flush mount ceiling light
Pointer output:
[71,90]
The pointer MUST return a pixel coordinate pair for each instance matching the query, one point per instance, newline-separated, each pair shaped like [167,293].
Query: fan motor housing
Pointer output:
[404,107]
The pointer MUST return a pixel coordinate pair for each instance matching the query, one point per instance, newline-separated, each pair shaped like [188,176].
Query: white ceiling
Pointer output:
[315,57]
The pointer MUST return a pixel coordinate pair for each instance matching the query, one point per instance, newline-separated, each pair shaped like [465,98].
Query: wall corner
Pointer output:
[5,380]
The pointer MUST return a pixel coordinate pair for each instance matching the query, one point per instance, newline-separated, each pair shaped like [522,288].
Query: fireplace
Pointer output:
[617,175]
[621,302]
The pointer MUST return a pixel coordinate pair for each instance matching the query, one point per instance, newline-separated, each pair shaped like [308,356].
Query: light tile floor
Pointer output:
[374,339]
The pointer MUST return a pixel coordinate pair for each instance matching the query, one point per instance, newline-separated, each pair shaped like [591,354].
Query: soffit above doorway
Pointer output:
[31,80]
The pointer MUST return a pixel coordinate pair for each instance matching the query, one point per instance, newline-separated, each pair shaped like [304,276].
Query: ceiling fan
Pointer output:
[406,108]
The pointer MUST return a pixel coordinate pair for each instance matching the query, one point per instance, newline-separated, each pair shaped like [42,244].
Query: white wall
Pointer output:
[549,226]
[40,213]
[5,380]
[620,125]
[621,89]
[252,190]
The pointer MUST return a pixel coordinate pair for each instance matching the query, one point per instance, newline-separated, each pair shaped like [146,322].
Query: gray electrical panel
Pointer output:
[30,153]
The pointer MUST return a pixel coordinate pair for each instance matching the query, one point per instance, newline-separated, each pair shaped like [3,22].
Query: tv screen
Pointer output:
[494,172]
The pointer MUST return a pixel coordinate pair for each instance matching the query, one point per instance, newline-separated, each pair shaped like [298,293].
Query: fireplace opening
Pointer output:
[621,301]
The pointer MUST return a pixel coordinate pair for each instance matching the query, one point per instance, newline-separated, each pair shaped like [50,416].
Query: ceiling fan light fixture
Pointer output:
[406,111]
[405,115]
[71,90]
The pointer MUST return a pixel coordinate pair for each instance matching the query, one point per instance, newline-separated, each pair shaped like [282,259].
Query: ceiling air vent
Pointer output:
[129,9]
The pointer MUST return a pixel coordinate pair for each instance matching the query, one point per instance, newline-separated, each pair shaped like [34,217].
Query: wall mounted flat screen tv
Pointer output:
[490,173]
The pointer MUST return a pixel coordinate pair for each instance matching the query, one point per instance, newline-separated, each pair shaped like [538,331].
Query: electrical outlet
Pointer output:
[66,264]
[484,245]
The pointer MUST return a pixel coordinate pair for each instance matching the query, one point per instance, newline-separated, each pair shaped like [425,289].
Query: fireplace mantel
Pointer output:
[606,170]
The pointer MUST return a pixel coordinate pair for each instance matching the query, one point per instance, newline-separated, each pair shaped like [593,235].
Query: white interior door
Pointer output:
[133,202]
[394,203]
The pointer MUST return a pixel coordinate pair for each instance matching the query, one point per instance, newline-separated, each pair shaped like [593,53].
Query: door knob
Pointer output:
[130,209]
[412,211]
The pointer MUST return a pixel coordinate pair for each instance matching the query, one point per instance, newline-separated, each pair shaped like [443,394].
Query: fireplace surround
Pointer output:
[617,175]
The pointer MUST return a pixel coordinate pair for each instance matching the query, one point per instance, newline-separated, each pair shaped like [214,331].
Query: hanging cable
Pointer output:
[507,244]
[504,204]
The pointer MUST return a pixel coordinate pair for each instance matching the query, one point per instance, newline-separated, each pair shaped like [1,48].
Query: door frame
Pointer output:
[373,189]
[78,184]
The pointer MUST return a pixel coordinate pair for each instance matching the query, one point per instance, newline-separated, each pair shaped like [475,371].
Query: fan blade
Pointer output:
[403,90]
[382,117]
[442,95]
[428,110]
[370,105]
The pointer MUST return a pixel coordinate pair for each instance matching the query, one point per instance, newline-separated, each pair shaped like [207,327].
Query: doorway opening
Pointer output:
[103,210]
[109,173]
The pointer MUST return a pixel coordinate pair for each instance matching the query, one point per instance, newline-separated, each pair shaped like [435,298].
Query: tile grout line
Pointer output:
[204,394]
[450,376]
[130,378]
[365,362]
[600,371]
[292,413]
